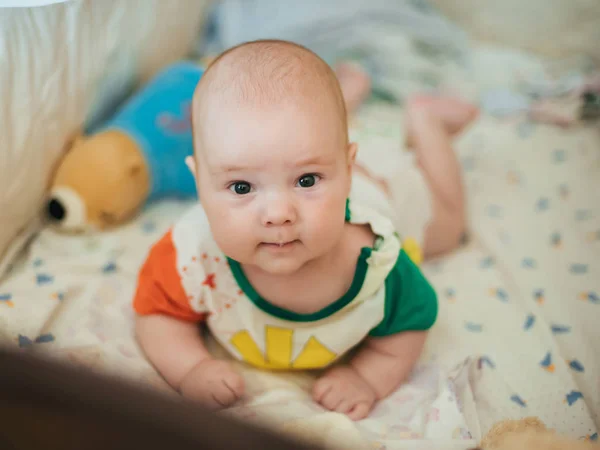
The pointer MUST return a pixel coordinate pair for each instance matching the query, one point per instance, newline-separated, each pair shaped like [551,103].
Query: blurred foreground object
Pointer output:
[49,405]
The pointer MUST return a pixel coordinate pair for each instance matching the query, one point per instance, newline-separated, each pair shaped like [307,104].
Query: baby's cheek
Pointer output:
[327,225]
[233,236]
[330,202]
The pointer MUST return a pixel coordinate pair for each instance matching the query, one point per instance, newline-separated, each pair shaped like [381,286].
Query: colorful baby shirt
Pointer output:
[188,277]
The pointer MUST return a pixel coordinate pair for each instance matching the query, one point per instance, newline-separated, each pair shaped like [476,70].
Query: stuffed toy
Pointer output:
[135,157]
[531,433]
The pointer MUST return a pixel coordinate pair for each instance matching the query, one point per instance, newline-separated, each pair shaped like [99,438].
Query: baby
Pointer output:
[291,260]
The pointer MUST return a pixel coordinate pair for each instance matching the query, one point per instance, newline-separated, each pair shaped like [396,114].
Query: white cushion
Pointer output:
[59,65]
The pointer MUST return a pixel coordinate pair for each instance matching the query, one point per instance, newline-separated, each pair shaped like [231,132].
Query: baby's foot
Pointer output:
[355,84]
[214,383]
[455,114]
[342,390]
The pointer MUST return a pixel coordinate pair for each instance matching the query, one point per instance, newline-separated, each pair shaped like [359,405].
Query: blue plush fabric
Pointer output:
[158,118]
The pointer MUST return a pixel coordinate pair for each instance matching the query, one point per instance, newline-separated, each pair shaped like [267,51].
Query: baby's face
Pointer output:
[274,182]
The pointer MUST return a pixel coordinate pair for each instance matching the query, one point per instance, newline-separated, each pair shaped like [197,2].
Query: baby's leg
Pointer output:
[355,84]
[430,126]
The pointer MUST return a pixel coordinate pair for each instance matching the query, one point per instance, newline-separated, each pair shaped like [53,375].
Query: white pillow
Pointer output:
[58,63]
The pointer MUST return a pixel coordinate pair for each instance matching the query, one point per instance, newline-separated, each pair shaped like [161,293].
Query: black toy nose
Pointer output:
[56,211]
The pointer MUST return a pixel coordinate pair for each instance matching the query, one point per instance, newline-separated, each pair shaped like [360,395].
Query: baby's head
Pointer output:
[272,156]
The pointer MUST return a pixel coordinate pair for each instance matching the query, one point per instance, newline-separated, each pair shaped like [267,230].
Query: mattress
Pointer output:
[517,333]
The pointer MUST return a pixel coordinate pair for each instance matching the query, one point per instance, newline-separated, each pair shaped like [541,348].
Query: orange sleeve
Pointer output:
[159,289]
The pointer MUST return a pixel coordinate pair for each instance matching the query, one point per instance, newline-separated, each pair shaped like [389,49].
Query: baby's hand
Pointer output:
[342,390]
[214,383]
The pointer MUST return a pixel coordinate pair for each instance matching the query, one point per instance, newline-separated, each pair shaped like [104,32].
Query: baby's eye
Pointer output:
[240,188]
[308,180]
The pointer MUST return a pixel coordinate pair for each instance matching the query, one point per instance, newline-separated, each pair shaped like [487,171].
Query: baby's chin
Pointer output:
[278,262]
[280,266]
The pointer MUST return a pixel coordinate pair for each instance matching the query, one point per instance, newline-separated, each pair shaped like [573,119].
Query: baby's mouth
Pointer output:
[280,244]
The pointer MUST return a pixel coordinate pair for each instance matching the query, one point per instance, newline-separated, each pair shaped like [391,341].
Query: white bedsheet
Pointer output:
[519,305]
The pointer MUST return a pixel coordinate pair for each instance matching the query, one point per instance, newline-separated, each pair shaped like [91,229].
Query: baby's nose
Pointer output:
[279,212]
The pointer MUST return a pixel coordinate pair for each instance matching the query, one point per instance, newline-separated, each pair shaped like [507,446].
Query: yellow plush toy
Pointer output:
[137,156]
[528,434]
[102,181]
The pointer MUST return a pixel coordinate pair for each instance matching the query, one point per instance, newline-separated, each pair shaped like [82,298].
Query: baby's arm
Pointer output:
[390,351]
[385,363]
[168,332]
[377,370]
[176,349]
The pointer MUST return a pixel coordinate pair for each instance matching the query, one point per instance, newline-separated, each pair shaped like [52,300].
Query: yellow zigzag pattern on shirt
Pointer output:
[279,348]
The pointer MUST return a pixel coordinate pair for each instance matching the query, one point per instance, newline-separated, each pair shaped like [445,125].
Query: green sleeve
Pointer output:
[410,301]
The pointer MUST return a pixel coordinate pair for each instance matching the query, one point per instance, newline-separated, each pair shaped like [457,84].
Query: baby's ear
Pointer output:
[191,163]
[352,149]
